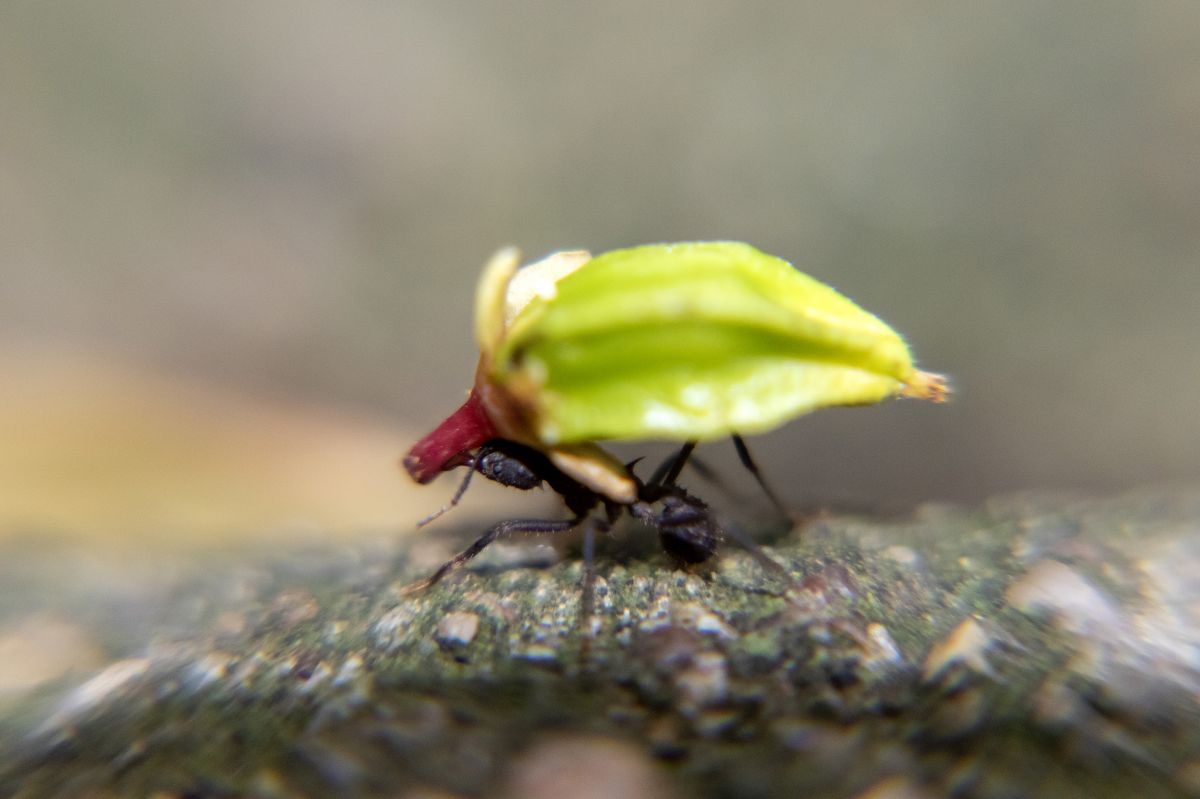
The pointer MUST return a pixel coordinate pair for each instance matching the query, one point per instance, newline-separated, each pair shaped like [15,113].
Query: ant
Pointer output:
[687,527]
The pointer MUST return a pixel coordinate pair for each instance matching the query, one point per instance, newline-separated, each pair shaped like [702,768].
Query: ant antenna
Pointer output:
[587,602]
[462,489]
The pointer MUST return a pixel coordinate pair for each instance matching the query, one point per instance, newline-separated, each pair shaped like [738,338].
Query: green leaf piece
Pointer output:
[694,341]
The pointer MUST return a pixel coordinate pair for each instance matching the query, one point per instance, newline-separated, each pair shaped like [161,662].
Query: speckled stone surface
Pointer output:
[1036,646]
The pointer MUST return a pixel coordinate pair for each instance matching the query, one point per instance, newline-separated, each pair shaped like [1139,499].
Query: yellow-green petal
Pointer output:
[490,298]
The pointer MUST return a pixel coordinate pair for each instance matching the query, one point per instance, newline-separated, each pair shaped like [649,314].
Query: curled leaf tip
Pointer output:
[927,386]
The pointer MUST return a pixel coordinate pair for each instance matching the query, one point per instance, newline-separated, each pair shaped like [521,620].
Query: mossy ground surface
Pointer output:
[1034,646]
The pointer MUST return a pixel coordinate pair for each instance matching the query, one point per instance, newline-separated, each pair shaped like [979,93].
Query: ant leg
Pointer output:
[493,533]
[462,489]
[701,468]
[668,471]
[705,472]
[769,564]
[587,603]
[709,475]
[752,467]
[590,529]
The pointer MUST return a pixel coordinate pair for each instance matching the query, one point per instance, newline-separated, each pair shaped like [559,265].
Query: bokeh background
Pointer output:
[238,241]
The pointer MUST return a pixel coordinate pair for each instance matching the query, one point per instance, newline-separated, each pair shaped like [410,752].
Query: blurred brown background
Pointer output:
[238,241]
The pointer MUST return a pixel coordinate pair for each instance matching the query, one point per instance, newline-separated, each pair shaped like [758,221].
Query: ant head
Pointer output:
[497,460]
[505,469]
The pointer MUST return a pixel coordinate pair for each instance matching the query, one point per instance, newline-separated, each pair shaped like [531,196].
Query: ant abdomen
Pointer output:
[684,523]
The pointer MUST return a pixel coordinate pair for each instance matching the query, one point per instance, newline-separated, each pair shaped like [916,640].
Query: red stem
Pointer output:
[447,446]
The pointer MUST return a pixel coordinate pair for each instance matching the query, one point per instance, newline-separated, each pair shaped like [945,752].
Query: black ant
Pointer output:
[687,527]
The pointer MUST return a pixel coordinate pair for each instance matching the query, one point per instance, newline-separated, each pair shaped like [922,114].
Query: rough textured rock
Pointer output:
[1035,646]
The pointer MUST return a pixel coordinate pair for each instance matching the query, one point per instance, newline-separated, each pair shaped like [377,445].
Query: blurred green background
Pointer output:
[245,235]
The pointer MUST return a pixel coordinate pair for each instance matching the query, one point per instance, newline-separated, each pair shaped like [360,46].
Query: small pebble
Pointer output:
[967,644]
[585,767]
[457,629]
[704,683]
[895,788]
[1055,588]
